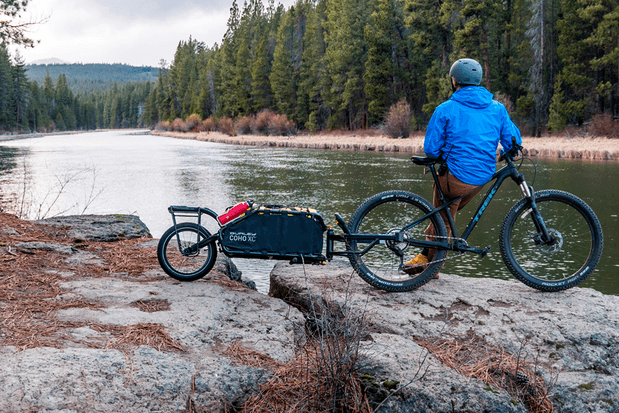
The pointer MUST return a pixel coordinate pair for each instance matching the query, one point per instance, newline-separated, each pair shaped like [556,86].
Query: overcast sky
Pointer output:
[135,32]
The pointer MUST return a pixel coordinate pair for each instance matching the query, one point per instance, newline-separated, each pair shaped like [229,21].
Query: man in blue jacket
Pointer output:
[465,131]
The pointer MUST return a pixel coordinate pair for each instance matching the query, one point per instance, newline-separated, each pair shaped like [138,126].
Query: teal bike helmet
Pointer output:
[467,72]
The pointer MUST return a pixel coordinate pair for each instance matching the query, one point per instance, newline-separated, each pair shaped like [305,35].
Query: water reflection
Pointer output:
[146,174]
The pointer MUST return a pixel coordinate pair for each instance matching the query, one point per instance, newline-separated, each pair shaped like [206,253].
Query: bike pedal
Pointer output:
[485,251]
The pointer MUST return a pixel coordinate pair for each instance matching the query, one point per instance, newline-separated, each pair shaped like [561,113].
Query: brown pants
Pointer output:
[452,188]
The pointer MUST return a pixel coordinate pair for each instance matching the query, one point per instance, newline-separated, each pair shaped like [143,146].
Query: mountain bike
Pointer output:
[550,240]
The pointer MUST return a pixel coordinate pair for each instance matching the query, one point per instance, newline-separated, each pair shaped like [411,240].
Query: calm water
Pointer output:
[124,172]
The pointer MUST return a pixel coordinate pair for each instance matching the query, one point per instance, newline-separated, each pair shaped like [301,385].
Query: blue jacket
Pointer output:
[466,130]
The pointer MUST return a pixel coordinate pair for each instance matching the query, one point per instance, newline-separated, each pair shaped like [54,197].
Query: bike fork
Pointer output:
[543,237]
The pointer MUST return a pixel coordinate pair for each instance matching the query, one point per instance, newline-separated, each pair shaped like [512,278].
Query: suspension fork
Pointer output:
[543,236]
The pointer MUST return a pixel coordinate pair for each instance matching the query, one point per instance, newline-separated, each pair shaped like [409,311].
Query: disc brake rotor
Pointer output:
[556,246]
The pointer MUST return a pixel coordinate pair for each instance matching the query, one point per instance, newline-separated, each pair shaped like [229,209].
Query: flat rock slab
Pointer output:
[205,317]
[571,337]
[104,228]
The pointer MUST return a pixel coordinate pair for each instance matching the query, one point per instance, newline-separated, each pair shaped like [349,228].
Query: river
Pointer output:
[131,172]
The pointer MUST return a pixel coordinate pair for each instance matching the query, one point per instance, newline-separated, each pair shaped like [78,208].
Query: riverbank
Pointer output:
[546,147]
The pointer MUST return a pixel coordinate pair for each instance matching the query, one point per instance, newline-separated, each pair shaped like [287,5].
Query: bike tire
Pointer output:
[383,213]
[570,260]
[185,266]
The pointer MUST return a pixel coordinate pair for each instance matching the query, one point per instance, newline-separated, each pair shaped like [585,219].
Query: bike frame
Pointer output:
[459,244]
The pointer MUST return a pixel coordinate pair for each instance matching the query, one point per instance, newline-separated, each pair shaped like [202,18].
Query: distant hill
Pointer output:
[88,77]
[50,61]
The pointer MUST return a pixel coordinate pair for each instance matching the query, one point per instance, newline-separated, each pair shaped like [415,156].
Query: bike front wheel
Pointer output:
[382,264]
[573,252]
[179,256]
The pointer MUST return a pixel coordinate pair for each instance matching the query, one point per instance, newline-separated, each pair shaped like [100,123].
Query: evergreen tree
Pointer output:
[7,116]
[345,58]
[283,75]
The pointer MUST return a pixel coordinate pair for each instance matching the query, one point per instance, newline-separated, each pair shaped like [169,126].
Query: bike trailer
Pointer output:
[277,232]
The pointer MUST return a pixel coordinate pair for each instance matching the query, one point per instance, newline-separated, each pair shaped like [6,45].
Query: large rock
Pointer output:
[570,338]
[100,227]
[96,363]
[205,318]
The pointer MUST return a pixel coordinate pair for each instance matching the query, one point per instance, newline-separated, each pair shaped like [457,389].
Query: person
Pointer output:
[465,132]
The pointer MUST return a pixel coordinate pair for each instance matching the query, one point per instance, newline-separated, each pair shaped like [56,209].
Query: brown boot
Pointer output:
[416,265]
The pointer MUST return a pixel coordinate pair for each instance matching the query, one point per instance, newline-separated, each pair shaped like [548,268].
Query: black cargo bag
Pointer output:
[273,231]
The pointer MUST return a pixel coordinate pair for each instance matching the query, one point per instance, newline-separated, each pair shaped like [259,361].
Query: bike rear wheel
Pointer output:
[387,213]
[177,257]
[568,260]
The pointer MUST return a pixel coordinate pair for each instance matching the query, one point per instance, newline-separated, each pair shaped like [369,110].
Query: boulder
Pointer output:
[569,338]
[100,227]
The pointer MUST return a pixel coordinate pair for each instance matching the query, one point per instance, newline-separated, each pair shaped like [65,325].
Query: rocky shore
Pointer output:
[89,322]
[585,148]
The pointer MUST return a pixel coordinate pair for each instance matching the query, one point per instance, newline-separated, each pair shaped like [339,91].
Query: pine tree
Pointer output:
[21,91]
[345,58]
[310,102]
[283,75]
[387,70]
[7,116]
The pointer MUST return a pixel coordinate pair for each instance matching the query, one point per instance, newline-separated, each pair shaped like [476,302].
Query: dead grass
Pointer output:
[152,305]
[472,357]
[31,296]
[143,334]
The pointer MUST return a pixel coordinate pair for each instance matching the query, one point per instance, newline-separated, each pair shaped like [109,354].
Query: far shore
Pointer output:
[585,148]
[549,147]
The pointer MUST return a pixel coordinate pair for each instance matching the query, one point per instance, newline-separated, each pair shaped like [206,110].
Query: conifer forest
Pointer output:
[328,64]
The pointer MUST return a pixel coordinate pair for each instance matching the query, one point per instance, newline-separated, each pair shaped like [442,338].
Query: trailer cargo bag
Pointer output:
[273,231]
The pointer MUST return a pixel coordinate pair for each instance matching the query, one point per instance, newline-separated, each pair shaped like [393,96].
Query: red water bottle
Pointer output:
[233,212]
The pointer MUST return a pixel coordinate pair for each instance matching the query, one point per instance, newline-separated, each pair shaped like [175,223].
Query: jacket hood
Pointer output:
[475,97]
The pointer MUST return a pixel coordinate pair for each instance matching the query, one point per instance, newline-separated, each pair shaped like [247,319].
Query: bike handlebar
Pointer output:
[512,152]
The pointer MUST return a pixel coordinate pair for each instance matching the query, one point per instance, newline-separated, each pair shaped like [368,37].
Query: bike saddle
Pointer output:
[426,161]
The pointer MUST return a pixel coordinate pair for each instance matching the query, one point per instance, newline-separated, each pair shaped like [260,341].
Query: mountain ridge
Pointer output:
[92,76]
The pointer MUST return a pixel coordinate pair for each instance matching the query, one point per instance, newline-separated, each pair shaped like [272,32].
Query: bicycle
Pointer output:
[550,240]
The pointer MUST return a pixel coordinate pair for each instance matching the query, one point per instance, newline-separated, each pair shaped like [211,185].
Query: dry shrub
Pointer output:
[261,123]
[325,373]
[193,123]
[398,120]
[472,357]
[209,124]
[280,125]
[179,125]
[163,126]
[244,125]
[226,125]
[603,125]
